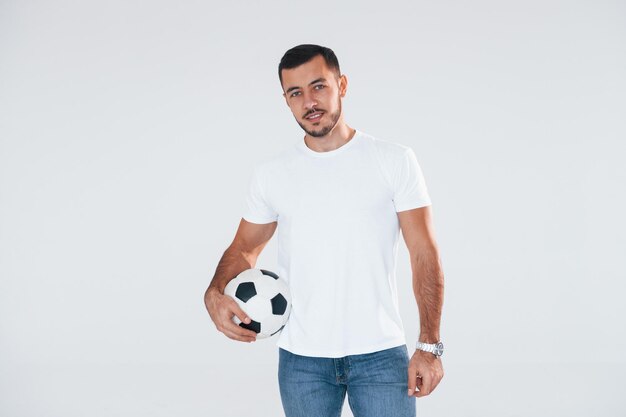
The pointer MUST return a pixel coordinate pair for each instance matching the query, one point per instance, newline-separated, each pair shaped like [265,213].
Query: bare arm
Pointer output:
[417,230]
[242,254]
[425,371]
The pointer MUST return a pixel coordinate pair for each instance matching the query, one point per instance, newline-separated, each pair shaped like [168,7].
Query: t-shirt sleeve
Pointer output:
[409,187]
[258,210]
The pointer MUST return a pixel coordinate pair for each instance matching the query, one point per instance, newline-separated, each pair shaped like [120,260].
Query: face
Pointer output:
[313,93]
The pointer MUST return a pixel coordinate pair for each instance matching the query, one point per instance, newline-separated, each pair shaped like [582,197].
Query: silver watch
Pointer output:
[434,348]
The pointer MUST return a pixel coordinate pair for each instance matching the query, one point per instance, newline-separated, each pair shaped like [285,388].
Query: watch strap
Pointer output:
[434,348]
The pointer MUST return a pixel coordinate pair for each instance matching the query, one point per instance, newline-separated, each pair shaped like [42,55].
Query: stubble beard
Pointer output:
[334,118]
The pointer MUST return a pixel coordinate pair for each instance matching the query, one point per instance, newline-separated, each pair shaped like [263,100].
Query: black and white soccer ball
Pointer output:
[264,297]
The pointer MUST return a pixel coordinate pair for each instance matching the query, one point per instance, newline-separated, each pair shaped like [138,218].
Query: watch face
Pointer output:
[439,349]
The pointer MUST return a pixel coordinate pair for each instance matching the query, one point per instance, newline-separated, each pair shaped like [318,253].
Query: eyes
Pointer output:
[315,87]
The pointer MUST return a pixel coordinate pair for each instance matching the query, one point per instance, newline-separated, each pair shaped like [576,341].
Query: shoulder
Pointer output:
[389,151]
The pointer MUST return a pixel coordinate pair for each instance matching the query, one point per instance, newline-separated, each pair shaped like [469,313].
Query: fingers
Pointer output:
[425,385]
[424,377]
[235,336]
[233,331]
[412,378]
[416,382]
[237,332]
[241,315]
[228,326]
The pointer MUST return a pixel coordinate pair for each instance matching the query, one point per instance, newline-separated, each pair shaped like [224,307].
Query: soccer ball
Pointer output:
[264,297]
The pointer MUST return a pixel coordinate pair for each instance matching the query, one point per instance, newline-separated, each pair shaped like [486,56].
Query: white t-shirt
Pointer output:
[338,235]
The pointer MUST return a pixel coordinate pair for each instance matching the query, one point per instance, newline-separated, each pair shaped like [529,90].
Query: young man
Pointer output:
[341,197]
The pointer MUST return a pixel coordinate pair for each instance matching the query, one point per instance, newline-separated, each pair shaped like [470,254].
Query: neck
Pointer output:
[339,136]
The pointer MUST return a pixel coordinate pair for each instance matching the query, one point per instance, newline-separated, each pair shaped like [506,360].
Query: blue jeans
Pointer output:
[376,384]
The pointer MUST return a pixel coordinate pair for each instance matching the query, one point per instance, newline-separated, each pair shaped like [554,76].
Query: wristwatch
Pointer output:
[434,348]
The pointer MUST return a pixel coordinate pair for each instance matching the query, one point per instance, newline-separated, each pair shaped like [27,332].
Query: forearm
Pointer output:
[428,290]
[234,261]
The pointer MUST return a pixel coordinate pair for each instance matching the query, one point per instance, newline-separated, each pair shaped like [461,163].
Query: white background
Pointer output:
[128,132]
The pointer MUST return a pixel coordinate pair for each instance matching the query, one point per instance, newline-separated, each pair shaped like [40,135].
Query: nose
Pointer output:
[309,101]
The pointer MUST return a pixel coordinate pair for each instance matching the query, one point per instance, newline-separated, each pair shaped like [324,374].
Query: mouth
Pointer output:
[314,117]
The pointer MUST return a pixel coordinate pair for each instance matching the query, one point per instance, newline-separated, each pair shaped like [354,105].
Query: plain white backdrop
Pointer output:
[128,132]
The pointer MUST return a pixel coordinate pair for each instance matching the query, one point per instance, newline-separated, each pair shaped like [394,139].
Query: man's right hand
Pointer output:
[222,308]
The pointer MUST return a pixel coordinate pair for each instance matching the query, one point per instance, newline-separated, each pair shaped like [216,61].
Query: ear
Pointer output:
[286,101]
[343,85]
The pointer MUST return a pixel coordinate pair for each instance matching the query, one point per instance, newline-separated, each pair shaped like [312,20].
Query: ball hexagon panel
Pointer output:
[271,325]
[266,286]
[258,308]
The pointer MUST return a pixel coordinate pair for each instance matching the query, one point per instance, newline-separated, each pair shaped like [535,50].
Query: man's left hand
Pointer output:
[425,372]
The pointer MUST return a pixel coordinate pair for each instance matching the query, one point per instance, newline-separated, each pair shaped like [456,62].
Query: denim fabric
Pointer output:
[376,384]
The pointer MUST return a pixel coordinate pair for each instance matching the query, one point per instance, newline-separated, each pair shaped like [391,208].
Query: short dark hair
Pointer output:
[301,54]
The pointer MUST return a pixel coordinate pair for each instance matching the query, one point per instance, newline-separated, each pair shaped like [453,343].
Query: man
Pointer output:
[340,197]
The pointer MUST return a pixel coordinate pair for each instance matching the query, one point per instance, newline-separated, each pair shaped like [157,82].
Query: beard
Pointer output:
[323,130]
